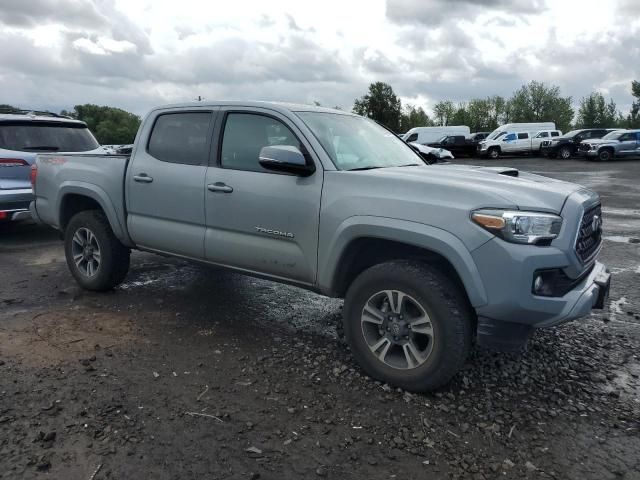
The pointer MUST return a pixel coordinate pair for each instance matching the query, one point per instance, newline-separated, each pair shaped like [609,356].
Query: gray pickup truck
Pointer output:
[426,257]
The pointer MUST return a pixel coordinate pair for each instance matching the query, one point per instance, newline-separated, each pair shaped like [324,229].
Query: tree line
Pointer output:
[533,102]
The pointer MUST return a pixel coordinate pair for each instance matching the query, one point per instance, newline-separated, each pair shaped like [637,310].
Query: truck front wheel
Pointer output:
[408,325]
[494,153]
[96,258]
[605,155]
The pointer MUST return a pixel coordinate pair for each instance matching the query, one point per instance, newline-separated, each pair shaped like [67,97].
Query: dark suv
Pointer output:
[567,145]
[24,134]
[456,144]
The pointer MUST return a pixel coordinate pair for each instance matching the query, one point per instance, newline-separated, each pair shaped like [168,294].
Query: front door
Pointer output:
[259,220]
[166,183]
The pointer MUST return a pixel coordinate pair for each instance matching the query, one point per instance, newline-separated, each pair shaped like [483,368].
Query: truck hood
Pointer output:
[500,187]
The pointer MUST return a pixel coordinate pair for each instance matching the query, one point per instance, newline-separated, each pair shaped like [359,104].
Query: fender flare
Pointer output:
[101,197]
[402,231]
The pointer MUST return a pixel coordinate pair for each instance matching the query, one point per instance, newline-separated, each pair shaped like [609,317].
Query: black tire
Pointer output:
[494,153]
[446,305]
[114,256]
[564,153]
[605,155]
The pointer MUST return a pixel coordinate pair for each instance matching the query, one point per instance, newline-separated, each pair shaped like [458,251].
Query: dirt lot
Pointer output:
[185,372]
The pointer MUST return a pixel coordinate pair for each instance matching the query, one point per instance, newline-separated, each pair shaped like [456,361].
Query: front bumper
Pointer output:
[548,151]
[14,204]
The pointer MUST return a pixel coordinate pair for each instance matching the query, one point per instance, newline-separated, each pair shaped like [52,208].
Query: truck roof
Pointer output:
[278,106]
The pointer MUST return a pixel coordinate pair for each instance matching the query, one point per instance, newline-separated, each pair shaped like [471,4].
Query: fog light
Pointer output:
[538,284]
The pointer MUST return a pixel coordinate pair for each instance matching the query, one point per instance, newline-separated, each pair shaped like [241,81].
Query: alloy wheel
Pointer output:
[397,329]
[86,251]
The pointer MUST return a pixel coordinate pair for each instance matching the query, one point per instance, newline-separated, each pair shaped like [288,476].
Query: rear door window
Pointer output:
[181,138]
[555,134]
[34,136]
[523,136]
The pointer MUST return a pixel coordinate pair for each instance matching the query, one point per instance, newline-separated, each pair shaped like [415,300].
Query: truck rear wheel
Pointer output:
[408,325]
[96,258]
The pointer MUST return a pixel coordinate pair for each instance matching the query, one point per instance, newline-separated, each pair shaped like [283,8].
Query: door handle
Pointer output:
[142,178]
[219,187]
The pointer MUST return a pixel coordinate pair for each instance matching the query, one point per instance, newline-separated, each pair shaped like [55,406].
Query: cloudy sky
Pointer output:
[135,54]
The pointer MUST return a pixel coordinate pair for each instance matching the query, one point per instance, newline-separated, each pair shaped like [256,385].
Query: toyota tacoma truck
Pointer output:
[428,258]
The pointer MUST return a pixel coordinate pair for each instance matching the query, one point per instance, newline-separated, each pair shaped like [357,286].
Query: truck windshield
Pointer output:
[357,143]
[46,137]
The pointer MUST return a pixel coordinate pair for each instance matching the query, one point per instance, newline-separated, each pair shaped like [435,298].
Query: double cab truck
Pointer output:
[458,145]
[616,144]
[426,257]
[567,145]
[515,143]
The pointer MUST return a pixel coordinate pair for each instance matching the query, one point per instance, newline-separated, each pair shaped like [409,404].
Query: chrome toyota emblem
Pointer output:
[596,223]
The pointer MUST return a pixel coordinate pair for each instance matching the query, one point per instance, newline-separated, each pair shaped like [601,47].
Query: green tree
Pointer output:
[537,102]
[633,119]
[110,125]
[381,104]
[443,111]
[594,111]
[413,116]
[460,115]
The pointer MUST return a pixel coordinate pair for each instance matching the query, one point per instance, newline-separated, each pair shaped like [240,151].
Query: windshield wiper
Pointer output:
[44,148]
[361,168]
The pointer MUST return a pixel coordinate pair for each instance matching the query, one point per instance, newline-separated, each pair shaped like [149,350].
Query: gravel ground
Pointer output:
[185,372]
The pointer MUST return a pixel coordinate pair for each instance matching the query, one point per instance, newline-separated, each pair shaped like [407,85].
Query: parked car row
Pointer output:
[596,144]
[526,139]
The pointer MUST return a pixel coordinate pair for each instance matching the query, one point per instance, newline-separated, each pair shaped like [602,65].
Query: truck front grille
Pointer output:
[589,234]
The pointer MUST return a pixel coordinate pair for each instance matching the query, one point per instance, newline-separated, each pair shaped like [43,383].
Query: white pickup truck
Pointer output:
[515,143]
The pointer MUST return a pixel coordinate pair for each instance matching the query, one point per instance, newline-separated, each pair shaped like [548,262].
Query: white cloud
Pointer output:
[138,53]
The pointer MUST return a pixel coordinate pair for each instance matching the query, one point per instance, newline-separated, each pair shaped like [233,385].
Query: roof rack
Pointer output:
[40,113]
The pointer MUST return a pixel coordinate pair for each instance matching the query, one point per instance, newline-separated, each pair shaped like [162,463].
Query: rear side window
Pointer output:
[555,134]
[181,138]
[523,136]
[46,137]
[245,134]
[412,138]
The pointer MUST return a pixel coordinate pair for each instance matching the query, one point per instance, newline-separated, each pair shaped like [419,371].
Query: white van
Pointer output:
[425,135]
[520,127]
[516,142]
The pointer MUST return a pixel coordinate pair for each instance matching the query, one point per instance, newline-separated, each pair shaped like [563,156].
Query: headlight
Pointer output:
[519,227]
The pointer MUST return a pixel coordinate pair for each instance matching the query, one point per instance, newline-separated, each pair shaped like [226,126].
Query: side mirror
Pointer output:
[285,158]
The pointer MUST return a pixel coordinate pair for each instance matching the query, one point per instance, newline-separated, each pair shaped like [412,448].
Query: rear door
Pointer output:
[523,143]
[628,145]
[259,220]
[166,182]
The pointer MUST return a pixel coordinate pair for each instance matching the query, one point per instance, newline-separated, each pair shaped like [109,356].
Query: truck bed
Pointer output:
[63,174]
